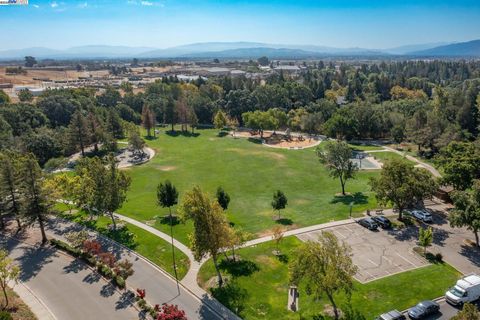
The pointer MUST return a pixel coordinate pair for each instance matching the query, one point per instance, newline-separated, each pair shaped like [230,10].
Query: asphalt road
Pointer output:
[70,289]
[160,288]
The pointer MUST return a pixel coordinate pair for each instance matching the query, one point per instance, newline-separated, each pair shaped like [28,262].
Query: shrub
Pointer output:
[106,271]
[65,247]
[142,303]
[4,315]
[439,257]
[119,281]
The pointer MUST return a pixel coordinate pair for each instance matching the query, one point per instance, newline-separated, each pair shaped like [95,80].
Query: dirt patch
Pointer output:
[264,259]
[301,201]
[166,168]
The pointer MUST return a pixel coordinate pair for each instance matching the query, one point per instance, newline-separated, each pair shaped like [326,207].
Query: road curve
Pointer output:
[68,287]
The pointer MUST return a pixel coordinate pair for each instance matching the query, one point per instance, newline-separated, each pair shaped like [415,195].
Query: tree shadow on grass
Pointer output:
[170,222]
[222,134]
[239,268]
[283,258]
[150,138]
[122,236]
[255,140]
[232,296]
[187,134]
[356,198]
[284,221]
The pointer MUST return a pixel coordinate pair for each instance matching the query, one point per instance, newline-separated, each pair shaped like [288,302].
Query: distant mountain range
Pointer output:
[245,50]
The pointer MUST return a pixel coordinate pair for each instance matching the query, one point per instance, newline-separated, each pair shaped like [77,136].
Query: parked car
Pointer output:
[422,215]
[382,222]
[423,309]
[368,223]
[392,315]
[465,290]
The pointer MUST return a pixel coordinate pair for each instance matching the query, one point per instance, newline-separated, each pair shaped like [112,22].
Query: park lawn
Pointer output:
[18,309]
[265,279]
[146,244]
[387,155]
[250,173]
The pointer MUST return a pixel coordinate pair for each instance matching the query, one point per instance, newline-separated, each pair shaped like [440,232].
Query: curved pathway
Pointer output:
[420,163]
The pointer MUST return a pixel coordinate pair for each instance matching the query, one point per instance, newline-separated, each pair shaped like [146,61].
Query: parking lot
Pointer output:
[376,253]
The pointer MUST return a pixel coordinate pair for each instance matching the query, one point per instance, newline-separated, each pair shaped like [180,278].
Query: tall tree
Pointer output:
[95,130]
[25,95]
[279,201]
[135,142]
[36,198]
[148,120]
[9,272]
[30,61]
[220,120]
[10,182]
[107,185]
[223,198]
[211,229]
[167,197]
[78,131]
[403,185]
[337,156]
[325,267]
[466,212]
[461,164]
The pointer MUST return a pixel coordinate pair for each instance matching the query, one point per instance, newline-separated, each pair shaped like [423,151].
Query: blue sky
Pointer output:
[165,23]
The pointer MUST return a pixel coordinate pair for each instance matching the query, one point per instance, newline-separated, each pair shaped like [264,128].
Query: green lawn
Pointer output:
[387,155]
[250,173]
[264,278]
[148,245]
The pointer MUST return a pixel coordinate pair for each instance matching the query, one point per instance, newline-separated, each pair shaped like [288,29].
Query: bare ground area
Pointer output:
[280,140]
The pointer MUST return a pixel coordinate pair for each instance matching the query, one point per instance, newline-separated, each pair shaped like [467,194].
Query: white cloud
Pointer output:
[36,6]
[83,5]
[146,3]
[53,4]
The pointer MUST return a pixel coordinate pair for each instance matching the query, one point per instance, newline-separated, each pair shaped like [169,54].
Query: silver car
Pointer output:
[422,215]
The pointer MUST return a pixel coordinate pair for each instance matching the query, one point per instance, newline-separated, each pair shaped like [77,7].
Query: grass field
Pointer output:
[264,279]
[250,173]
[148,245]
[388,155]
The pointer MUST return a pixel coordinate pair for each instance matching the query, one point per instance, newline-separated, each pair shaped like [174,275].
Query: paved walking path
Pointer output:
[420,163]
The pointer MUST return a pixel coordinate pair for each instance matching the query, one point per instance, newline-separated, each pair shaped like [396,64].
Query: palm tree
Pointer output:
[167,196]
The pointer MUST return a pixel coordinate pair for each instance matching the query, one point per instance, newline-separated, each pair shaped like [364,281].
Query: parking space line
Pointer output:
[347,228]
[336,231]
[413,264]
[376,265]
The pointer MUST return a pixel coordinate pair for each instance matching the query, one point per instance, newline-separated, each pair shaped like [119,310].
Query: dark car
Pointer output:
[382,222]
[423,309]
[368,223]
[392,315]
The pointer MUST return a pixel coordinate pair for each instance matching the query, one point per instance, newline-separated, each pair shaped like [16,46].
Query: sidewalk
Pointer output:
[38,307]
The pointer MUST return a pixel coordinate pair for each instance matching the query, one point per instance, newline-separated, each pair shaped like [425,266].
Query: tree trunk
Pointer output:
[95,147]
[219,275]
[6,298]
[172,126]
[113,221]
[476,238]
[173,247]
[42,229]
[233,253]
[82,147]
[343,186]
[335,310]
[400,214]
[2,222]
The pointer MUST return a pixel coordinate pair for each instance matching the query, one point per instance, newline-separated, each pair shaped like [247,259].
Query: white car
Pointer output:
[422,215]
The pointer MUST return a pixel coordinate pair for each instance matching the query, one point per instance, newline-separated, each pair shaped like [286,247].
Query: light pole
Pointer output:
[351,206]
